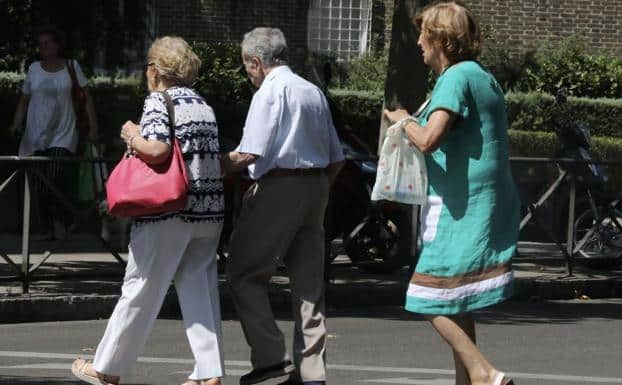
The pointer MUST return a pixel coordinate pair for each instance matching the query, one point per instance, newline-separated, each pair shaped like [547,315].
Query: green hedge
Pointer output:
[526,111]
[116,101]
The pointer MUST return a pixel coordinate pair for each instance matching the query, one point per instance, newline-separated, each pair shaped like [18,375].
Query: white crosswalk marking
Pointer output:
[585,380]
[46,365]
[408,381]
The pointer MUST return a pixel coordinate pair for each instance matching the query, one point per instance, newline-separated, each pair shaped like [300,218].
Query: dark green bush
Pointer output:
[366,73]
[508,69]
[534,111]
[222,78]
[573,66]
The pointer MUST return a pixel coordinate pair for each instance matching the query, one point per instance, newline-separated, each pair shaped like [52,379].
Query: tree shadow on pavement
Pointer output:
[510,312]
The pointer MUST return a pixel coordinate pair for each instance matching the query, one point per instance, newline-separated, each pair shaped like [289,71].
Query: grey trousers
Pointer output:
[282,219]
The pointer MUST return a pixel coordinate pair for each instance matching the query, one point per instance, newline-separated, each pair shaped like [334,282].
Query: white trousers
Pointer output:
[158,253]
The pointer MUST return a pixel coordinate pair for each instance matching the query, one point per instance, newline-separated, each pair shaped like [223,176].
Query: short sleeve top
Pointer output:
[196,131]
[50,120]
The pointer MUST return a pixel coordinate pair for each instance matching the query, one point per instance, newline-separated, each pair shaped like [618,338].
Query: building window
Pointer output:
[339,28]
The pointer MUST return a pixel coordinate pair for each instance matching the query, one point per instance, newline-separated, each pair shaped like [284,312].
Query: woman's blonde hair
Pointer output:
[175,61]
[453,27]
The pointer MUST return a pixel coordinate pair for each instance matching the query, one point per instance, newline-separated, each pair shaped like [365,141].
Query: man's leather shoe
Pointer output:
[261,374]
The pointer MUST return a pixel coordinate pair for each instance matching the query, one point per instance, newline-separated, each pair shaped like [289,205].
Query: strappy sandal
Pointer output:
[501,379]
[78,368]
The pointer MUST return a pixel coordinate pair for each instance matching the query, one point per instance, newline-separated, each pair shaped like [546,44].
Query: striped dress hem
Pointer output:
[459,299]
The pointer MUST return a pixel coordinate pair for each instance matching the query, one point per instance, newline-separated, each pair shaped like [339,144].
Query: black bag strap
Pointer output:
[72,73]
[170,108]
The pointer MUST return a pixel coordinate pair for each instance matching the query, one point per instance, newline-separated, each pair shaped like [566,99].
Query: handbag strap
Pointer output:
[72,73]
[171,113]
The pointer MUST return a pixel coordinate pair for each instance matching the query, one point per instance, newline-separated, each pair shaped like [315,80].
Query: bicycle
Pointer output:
[596,233]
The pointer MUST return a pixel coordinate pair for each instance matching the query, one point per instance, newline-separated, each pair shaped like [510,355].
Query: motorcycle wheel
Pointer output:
[381,244]
[603,248]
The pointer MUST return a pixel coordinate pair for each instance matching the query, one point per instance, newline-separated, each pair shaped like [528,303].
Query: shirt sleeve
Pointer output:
[261,123]
[27,85]
[79,74]
[154,124]
[450,93]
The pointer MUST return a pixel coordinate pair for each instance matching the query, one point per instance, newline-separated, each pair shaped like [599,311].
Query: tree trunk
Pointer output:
[405,87]
[407,75]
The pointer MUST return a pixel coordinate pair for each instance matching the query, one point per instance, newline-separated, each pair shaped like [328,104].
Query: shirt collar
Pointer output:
[276,71]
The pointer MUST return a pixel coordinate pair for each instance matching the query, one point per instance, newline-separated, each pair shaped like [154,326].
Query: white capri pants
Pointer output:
[158,253]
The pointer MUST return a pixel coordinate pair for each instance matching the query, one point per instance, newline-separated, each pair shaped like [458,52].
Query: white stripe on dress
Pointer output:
[471,289]
[430,215]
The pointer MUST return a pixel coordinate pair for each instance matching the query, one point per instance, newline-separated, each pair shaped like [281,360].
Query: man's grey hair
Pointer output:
[268,44]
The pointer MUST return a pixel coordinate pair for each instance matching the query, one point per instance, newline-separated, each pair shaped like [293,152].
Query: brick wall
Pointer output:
[217,20]
[521,24]
[524,24]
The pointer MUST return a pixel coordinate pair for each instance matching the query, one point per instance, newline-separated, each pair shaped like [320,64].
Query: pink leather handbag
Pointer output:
[136,188]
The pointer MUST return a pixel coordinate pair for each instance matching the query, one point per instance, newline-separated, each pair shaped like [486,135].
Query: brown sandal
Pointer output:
[79,367]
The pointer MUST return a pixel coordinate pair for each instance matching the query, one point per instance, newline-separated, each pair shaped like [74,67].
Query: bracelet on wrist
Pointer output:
[129,143]
[407,120]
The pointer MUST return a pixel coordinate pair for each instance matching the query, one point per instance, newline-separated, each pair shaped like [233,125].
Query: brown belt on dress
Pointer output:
[282,172]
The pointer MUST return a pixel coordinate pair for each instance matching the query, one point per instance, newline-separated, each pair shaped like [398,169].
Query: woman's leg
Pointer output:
[466,323]
[196,281]
[459,333]
[155,252]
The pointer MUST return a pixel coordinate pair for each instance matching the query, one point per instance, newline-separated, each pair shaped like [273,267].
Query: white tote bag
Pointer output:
[401,175]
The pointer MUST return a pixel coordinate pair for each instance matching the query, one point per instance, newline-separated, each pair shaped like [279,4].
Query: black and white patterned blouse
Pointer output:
[197,134]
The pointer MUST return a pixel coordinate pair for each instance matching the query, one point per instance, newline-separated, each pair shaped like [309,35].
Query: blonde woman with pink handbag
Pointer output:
[177,246]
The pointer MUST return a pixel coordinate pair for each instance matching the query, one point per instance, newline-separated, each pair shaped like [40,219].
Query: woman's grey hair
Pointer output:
[268,44]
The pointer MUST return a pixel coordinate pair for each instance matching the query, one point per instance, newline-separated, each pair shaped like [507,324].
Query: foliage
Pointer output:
[570,65]
[222,77]
[508,69]
[526,111]
[15,36]
[534,112]
[109,35]
[366,72]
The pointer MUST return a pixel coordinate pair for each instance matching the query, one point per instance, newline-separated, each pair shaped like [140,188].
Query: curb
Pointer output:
[39,308]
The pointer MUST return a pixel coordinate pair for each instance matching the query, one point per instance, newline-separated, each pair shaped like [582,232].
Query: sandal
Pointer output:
[501,379]
[78,368]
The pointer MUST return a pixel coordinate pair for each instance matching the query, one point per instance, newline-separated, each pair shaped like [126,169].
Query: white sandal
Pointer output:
[501,379]
[78,368]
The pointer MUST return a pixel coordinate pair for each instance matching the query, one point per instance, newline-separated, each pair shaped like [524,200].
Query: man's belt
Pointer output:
[281,172]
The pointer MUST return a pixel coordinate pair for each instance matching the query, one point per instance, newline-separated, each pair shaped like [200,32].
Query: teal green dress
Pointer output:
[470,223]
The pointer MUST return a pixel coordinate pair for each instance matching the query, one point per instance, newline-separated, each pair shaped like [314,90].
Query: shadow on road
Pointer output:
[20,380]
[510,312]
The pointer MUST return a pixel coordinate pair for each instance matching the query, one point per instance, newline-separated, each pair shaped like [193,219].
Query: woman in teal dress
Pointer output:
[470,222]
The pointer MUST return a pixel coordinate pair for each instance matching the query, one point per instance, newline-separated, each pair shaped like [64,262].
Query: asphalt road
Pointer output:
[565,343]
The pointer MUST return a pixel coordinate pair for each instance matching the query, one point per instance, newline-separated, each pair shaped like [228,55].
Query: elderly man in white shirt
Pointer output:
[292,151]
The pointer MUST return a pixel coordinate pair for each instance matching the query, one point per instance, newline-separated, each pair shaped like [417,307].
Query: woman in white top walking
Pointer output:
[46,103]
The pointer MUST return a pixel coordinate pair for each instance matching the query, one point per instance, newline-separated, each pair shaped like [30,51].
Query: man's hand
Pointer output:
[234,161]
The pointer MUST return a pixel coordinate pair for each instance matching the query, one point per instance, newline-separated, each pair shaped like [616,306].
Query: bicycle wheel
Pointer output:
[601,243]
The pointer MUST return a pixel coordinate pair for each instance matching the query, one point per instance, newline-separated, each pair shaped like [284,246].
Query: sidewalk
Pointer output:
[91,286]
